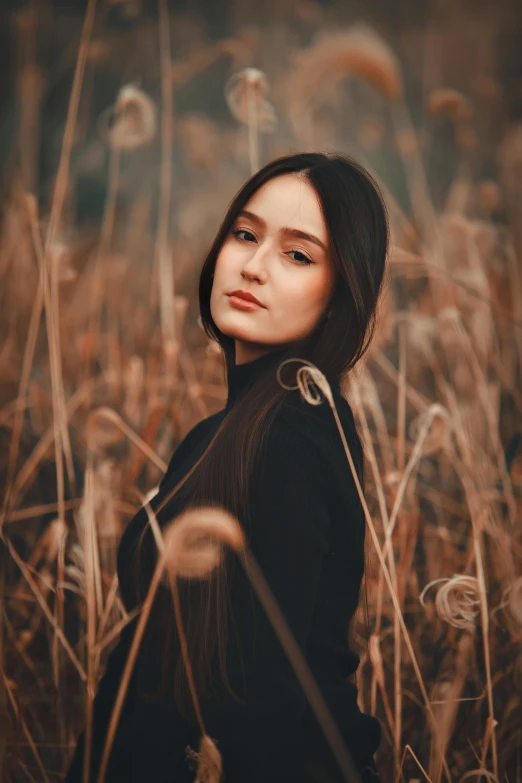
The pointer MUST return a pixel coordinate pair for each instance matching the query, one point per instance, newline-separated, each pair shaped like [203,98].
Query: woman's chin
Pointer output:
[230,327]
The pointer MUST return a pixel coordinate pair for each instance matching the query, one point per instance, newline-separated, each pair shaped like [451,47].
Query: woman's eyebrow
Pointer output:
[291,232]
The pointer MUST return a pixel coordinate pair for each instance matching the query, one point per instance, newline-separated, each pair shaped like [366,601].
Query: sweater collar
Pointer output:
[241,376]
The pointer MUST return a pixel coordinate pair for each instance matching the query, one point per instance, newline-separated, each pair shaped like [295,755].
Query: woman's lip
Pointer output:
[243,304]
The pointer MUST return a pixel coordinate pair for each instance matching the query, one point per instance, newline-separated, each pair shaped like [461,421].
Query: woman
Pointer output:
[307,238]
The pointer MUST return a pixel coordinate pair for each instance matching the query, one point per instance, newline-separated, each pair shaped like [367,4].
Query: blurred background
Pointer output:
[126,127]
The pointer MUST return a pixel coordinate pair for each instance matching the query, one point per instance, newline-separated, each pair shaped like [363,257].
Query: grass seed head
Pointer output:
[208,760]
[134,120]
[455,600]
[515,601]
[194,541]
[453,103]
[357,51]
[250,86]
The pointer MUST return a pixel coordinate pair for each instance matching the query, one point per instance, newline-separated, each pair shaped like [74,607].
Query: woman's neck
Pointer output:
[244,374]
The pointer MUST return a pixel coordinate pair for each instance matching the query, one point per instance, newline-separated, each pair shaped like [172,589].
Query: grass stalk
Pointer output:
[163,257]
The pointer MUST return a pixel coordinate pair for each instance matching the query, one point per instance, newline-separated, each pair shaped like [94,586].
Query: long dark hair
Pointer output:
[356,219]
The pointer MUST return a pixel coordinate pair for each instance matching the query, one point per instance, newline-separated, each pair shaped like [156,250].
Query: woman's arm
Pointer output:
[288,535]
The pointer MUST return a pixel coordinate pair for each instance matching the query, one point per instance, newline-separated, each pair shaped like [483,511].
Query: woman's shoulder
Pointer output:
[302,431]
[318,423]
[200,429]
[197,433]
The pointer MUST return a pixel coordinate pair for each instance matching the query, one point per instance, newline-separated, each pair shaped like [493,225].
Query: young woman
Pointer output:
[295,271]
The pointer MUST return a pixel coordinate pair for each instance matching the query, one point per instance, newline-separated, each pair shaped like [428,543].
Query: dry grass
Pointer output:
[104,367]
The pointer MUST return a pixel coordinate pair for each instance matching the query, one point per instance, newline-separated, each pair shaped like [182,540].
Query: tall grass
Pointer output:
[95,397]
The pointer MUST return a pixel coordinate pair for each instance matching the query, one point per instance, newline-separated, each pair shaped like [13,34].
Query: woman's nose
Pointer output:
[255,267]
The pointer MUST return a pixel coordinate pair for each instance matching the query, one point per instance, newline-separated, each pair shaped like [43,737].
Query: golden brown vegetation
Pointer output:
[103,368]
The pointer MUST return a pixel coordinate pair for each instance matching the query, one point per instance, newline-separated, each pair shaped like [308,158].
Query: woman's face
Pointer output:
[268,255]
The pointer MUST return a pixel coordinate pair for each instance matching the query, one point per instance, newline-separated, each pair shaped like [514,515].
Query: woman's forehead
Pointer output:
[289,201]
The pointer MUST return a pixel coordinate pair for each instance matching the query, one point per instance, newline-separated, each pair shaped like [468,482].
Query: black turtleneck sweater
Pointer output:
[307,534]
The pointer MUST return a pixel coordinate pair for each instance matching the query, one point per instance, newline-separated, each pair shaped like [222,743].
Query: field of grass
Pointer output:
[132,130]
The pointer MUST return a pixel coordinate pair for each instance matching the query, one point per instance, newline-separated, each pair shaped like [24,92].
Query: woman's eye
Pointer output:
[303,260]
[239,231]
